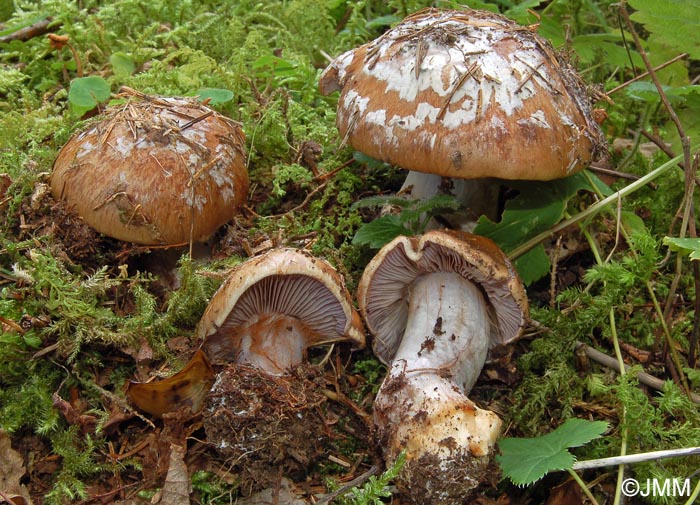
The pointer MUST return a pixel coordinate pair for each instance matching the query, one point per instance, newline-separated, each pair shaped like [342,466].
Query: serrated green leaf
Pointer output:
[526,460]
[122,64]
[688,246]
[438,203]
[86,92]
[381,231]
[647,92]
[675,22]
[587,46]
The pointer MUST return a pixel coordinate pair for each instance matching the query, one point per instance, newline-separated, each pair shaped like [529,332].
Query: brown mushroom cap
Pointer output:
[464,94]
[154,170]
[283,281]
[387,279]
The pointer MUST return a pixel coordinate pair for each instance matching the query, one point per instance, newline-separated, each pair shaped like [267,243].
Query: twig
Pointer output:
[635,458]
[29,32]
[612,363]
[687,223]
[302,204]
[347,487]
[642,76]
[614,173]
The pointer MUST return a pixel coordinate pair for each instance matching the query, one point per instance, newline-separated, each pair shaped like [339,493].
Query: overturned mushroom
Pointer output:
[263,409]
[464,94]
[155,171]
[273,307]
[435,304]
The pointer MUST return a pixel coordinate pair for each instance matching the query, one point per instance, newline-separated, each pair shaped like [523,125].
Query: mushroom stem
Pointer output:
[447,330]
[273,342]
[478,196]
[422,405]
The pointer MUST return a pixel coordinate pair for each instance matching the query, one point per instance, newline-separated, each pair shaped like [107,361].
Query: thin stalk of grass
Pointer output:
[583,487]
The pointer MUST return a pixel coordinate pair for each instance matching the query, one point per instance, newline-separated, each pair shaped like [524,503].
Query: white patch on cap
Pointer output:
[85,149]
[537,118]
[460,72]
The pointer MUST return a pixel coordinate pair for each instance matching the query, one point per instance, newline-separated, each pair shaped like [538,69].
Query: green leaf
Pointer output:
[122,64]
[675,22]
[532,265]
[382,21]
[689,246]
[368,160]
[538,207]
[381,200]
[526,460]
[646,91]
[215,95]
[381,231]
[280,67]
[87,92]
[588,46]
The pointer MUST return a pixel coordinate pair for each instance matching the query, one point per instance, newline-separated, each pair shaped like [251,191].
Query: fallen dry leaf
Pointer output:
[176,490]
[187,388]
[11,471]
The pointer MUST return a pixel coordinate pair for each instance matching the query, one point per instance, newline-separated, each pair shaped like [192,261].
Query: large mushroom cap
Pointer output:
[464,94]
[383,290]
[155,170]
[284,283]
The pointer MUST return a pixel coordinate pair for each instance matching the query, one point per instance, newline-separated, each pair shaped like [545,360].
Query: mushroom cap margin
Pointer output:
[282,262]
[477,258]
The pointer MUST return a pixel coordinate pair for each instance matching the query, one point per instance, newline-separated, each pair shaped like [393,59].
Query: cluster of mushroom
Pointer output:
[457,94]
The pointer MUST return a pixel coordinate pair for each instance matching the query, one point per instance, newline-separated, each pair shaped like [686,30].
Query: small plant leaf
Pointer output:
[526,460]
[87,92]
[215,95]
[532,265]
[380,201]
[688,246]
[122,64]
[674,21]
[368,160]
[538,207]
[381,231]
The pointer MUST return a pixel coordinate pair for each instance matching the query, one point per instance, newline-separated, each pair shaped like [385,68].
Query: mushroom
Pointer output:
[464,94]
[435,305]
[263,409]
[154,170]
[273,307]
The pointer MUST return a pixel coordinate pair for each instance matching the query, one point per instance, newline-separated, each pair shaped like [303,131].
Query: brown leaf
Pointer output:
[569,493]
[187,388]
[11,471]
[176,490]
